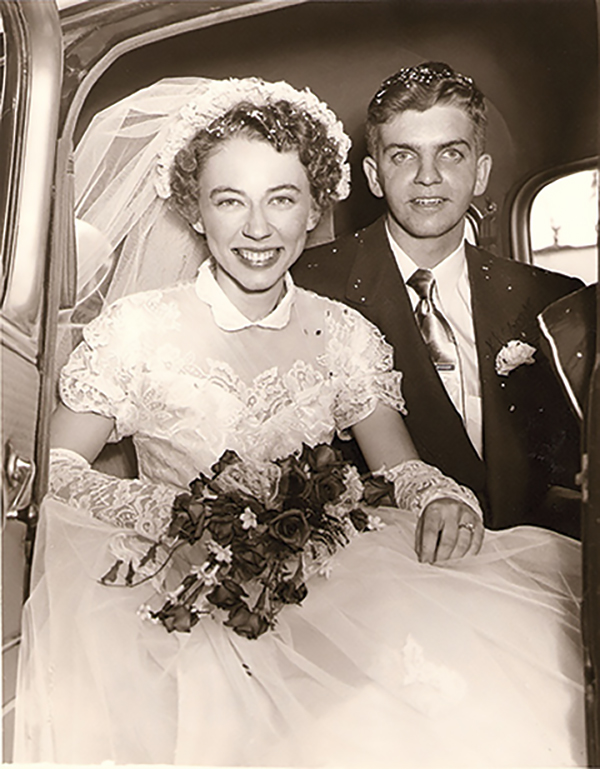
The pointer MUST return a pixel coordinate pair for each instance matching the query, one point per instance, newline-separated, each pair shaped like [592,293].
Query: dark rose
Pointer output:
[198,485]
[179,618]
[294,482]
[184,526]
[291,528]
[182,501]
[328,486]
[378,491]
[224,515]
[227,595]
[227,458]
[291,592]
[322,457]
[248,563]
[221,528]
[247,623]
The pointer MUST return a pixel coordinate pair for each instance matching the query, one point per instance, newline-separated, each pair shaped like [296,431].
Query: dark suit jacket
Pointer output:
[531,440]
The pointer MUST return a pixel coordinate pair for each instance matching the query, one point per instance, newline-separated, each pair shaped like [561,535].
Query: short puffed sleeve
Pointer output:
[103,374]
[361,364]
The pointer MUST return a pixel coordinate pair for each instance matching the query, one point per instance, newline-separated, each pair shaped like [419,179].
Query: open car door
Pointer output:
[38,128]
[31,80]
[591,559]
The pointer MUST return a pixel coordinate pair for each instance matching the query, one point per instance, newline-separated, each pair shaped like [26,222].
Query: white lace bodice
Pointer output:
[186,389]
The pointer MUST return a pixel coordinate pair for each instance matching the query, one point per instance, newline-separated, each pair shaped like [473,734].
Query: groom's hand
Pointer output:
[447,529]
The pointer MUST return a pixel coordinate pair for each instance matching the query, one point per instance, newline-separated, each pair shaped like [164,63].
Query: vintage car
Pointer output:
[536,60]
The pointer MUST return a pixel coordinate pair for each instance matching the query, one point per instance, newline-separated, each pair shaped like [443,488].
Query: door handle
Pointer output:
[17,479]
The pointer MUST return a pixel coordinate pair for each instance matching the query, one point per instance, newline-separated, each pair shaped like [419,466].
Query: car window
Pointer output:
[3,267]
[563,225]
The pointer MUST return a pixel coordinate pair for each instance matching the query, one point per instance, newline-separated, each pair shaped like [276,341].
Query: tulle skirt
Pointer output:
[387,663]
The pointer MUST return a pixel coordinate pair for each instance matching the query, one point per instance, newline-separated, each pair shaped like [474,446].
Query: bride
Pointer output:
[456,655]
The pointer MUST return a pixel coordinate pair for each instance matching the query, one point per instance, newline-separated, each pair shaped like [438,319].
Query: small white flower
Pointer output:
[354,486]
[248,519]
[325,570]
[512,355]
[221,554]
[144,612]
[374,523]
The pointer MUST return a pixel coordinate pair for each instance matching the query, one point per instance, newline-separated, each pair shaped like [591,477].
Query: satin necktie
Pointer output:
[434,327]
[438,335]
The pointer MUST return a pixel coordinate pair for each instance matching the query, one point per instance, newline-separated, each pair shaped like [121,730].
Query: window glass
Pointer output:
[3,267]
[564,225]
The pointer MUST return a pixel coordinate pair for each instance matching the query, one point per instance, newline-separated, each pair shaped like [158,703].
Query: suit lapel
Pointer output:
[500,314]
[376,288]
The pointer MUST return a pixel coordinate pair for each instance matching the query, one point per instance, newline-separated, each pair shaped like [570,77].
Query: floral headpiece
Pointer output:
[223,95]
[423,74]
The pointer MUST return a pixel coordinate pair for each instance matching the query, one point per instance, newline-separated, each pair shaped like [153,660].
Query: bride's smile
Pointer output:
[255,210]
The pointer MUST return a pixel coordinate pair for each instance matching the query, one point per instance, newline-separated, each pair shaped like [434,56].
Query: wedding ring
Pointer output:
[467,525]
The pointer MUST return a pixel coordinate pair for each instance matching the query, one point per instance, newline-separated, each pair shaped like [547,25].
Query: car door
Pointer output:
[31,78]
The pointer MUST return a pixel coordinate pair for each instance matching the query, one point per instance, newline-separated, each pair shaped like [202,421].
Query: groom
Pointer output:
[482,401]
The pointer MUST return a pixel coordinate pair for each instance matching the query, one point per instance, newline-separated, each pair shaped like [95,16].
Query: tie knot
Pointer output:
[422,281]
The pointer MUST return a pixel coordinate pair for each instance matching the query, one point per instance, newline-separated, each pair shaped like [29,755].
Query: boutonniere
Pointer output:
[514,354]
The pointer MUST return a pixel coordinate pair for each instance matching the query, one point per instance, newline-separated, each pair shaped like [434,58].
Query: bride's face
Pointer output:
[255,210]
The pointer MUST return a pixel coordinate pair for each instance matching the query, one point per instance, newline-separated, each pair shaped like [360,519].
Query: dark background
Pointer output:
[536,61]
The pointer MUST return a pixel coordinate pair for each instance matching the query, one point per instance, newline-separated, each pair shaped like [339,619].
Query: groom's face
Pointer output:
[428,169]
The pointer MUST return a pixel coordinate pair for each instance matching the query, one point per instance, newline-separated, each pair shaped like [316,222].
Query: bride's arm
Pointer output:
[76,439]
[385,442]
[84,433]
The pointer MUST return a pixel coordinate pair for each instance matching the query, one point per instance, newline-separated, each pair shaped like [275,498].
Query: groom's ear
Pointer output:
[370,169]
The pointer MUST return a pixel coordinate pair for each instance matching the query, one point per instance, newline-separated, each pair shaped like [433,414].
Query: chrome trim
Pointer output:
[252,8]
[18,341]
[11,643]
[520,207]
[35,88]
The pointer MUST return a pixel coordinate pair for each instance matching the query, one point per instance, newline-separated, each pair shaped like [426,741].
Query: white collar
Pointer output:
[227,316]
[448,271]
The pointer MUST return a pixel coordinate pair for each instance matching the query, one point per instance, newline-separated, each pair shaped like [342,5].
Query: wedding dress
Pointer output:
[387,662]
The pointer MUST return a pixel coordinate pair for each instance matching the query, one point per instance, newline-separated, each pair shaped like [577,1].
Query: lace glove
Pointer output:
[416,484]
[141,506]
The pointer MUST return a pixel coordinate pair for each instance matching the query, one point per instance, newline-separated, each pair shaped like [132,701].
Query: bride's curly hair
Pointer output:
[284,126]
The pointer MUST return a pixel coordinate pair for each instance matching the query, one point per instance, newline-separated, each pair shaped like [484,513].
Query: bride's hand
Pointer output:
[447,529]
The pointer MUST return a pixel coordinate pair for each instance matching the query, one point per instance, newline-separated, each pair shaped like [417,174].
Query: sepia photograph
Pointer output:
[300,383]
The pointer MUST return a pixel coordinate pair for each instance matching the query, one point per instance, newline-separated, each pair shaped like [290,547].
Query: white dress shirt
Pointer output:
[453,298]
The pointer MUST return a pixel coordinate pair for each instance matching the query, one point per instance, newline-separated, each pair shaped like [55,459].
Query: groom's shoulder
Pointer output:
[523,276]
[326,268]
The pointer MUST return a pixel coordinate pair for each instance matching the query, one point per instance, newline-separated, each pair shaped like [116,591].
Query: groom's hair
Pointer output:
[420,88]
[283,125]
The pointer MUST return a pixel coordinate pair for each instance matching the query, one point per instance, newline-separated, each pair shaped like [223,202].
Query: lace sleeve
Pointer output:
[416,484]
[138,505]
[361,361]
[104,371]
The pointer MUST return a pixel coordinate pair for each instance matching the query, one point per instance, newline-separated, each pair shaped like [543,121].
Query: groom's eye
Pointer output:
[402,156]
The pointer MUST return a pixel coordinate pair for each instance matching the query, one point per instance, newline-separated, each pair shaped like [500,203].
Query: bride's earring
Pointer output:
[199,226]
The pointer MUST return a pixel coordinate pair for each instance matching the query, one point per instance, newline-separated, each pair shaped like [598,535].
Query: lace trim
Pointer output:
[416,484]
[138,505]
[116,375]
[361,363]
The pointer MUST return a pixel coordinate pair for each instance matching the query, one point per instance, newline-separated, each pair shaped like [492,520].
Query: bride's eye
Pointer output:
[227,203]
[283,201]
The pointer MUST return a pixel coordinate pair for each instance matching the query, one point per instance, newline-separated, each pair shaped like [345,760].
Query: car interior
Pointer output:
[535,60]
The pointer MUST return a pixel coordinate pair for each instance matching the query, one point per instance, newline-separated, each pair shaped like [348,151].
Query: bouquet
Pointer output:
[242,543]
